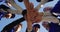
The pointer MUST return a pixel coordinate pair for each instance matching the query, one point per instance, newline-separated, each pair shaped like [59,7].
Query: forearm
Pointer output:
[27,4]
[14,11]
[12,2]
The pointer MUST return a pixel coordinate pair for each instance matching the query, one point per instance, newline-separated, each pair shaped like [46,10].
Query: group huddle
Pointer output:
[50,17]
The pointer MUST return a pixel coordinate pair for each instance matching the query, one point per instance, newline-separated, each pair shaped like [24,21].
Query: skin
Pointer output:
[53,19]
[13,4]
[30,12]
[18,27]
[19,9]
[35,29]
[18,12]
[48,17]
[8,15]
[29,17]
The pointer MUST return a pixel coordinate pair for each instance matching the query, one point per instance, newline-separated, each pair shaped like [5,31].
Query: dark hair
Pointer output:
[38,0]
[20,0]
[37,25]
[24,12]
[11,25]
[13,15]
[49,0]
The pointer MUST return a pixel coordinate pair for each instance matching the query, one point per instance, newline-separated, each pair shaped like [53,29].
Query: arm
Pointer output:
[12,2]
[11,25]
[14,11]
[28,5]
[7,9]
[41,3]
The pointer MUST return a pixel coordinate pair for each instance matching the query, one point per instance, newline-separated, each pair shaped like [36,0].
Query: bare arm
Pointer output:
[41,3]
[14,11]
[19,9]
[28,5]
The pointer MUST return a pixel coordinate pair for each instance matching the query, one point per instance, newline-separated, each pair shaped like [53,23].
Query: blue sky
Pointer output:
[5,21]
